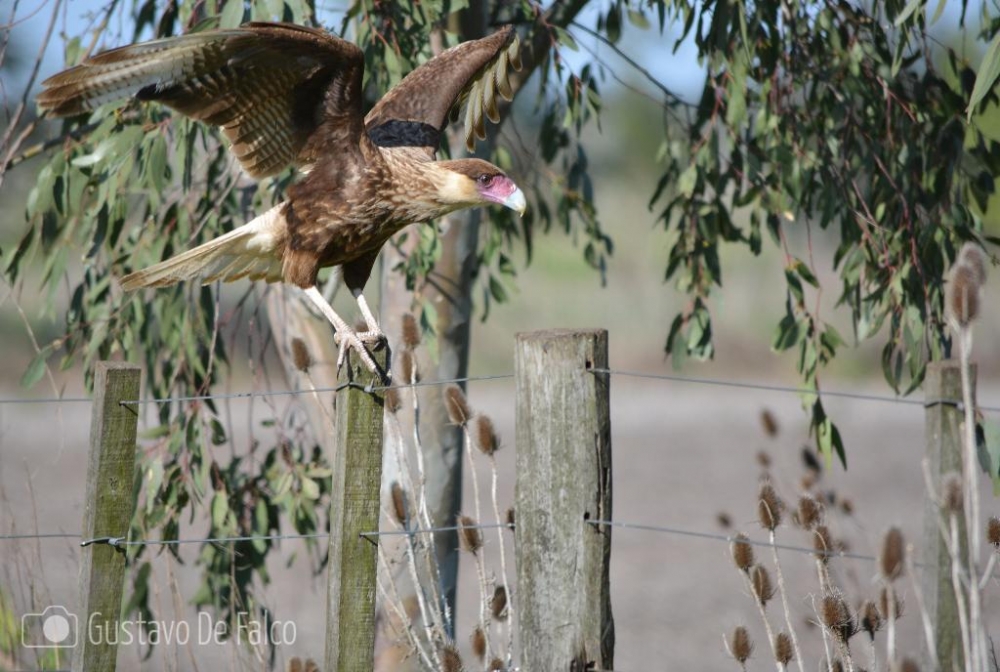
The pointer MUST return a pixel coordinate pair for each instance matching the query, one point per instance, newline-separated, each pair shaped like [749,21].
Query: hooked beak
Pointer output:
[516,202]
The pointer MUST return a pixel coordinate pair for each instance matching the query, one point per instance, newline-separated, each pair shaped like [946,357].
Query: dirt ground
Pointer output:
[683,454]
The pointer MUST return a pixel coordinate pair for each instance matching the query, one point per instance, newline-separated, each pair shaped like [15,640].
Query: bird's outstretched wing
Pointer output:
[415,112]
[269,86]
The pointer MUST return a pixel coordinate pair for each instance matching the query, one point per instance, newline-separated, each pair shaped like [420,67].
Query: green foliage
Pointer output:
[822,115]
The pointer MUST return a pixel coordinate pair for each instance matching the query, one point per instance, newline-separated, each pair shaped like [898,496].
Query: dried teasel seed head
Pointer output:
[905,665]
[411,331]
[393,402]
[784,652]
[457,406]
[963,295]
[836,616]
[450,660]
[486,437]
[810,512]
[954,495]
[892,558]
[884,604]
[972,256]
[993,532]
[399,504]
[478,643]
[768,507]
[740,645]
[760,580]
[742,552]
[300,355]
[769,423]
[470,537]
[408,367]
[496,665]
[498,603]
[822,544]
[871,618]
[764,459]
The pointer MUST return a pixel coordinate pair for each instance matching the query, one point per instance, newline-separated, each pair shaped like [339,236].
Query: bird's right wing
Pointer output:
[269,86]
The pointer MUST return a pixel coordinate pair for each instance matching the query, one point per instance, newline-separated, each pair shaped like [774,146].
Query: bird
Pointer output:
[291,95]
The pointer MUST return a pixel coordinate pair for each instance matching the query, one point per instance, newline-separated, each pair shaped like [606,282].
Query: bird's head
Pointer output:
[472,182]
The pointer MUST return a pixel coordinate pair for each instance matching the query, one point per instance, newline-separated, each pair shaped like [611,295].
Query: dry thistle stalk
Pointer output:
[498,603]
[408,367]
[400,510]
[883,605]
[450,660]
[457,406]
[411,331]
[810,512]
[740,645]
[478,643]
[871,618]
[742,552]
[964,293]
[769,507]
[993,532]
[784,652]
[393,402]
[954,495]
[763,459]
[769,423]
[486,436]
[760,580]
[470,537]
[300,355]
[836,616]
[892,559]
[906,665]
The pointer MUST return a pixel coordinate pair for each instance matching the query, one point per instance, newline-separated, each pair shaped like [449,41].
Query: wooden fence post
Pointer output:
[107,512]
[355,507]
[943,452]
[563,439]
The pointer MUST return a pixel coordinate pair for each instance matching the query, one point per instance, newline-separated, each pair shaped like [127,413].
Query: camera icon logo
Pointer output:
[53,628]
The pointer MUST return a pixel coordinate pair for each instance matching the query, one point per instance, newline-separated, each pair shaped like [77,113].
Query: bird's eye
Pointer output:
[485,179]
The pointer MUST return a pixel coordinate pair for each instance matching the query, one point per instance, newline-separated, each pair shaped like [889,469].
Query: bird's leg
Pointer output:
[374,334]
[346,336]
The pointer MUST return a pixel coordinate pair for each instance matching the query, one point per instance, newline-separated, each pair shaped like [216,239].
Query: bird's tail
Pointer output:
[250,251]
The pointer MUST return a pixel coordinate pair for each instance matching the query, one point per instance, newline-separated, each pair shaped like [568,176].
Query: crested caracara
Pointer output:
[285,95]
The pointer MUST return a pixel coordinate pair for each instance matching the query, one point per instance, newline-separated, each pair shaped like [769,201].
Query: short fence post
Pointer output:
[107,513]
[943,452]
[563,439]
[354,509]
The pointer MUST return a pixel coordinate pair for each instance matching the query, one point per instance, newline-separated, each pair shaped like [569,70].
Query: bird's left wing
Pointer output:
[415,112]
[269,86]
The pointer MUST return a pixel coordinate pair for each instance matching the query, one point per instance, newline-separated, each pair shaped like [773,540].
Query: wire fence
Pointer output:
[121,542]
[370,388]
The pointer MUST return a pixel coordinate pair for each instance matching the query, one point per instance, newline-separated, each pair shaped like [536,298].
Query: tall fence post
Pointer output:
[107,512]
[354,509]
[563,439]
[943,452]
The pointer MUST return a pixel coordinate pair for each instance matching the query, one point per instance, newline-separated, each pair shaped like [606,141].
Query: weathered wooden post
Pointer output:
[943,452]
[107,513]
[355,505]
[563,438]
